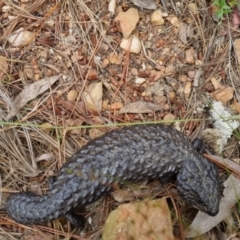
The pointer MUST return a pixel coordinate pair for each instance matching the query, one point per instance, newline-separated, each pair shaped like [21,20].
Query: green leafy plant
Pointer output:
[222,8]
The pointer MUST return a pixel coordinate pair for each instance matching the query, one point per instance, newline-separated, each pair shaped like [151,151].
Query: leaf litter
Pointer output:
[30,92]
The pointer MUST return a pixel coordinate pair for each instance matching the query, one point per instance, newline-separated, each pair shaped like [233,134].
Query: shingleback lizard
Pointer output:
[130,154]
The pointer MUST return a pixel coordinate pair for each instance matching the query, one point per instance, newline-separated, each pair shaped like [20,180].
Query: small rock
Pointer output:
[43,54]
[180,90]
[174,20]
[235,107]
[114,58]
[141,220]
[156,75]
[156,18]
[166,107]
[10,17]
[46,127]
[190,55]
[128,21]
[116,106]
[170,69]
[29,71]
[139,80]
[146,4]
[188,89]
[71,96]
[193,8]
[134,71]
[224,94]
[103,48]
[198,62]
[51,22]
[92,74]
[183,78]
[165,14]
[105,63]
[156,89]
[93,96]
[6,9]
[135,44]
[172,96]
[161,101]
[191,74]
[169,117]
[21,37]
[105,104]
[112,6]
[37,77]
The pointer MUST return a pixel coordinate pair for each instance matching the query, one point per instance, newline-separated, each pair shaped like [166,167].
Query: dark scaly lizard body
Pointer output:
[126,155]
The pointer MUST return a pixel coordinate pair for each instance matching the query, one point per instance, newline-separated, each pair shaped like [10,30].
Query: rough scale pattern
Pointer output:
[127,155]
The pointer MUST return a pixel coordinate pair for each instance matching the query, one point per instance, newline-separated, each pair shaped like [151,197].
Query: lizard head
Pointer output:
[197,183]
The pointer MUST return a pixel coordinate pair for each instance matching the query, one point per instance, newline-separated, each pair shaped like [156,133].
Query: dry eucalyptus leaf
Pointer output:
[183,32]
[186,31]
[140,107]
[147,4]
[226,163]
[197,77]
[143,220]
[203,222]
[74,125]
[30,92]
